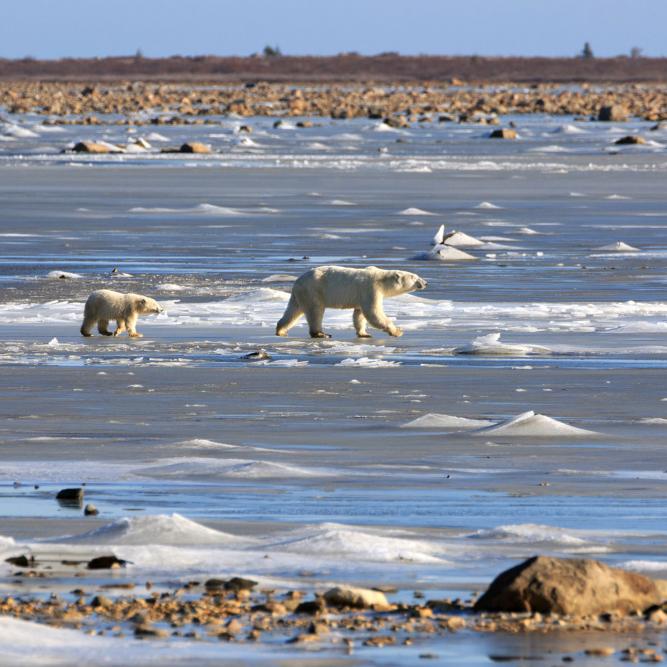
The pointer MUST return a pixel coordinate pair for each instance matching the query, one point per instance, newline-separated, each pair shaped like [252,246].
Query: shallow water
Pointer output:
[302,457]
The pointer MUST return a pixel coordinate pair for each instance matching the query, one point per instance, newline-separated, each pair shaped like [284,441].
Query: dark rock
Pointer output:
[503,133]
[239,584]
[234,584]
[194,147]
[630,139]
[312,607]
[613,114]
[70,496]
[21,561]
[90,510]
[100,601]
[105,563]
[258,355]
[146,630]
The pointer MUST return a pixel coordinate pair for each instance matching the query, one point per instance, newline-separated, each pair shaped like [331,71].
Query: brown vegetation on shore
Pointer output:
[343,67]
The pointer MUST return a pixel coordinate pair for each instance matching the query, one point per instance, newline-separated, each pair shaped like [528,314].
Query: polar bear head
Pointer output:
[401,282]
[144,305]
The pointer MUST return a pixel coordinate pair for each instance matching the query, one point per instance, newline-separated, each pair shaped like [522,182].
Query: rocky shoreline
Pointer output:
[237,610]
[136,103]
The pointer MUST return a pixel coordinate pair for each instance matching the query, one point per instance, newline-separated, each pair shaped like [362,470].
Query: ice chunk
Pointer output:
[492,345]
[159,529]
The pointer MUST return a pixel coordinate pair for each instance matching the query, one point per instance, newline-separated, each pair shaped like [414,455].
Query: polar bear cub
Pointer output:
[104,305]
[362,290]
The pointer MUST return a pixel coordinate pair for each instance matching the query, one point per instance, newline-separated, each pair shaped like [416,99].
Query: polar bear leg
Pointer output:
[314,315]
[103,327]
[131,324]
[374,313]
[292,313]
[120,327]
[87,326]
[360,324]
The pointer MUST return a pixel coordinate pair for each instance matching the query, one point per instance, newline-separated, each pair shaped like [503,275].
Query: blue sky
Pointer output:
[80,28]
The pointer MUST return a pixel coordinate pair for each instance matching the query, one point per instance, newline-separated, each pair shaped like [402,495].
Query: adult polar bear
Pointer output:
[339,287]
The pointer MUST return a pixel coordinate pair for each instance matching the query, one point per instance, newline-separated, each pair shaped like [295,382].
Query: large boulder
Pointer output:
[630,140]
[96,147]
[613,113]
[194,147]
[359,598]
[575,587]
[504,133]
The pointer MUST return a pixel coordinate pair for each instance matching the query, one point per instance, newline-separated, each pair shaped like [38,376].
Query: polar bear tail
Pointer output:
[292,313]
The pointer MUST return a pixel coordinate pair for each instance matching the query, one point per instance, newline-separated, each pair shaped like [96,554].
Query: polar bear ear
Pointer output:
[396,277]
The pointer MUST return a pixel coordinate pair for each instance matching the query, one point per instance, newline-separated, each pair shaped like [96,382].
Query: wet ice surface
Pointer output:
[202,462]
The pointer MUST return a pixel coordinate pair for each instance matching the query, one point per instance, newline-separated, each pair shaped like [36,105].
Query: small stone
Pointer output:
[149,631]
[258,355]
[602,651]
[239,584]
[101,601]
[90,510]
[657,616]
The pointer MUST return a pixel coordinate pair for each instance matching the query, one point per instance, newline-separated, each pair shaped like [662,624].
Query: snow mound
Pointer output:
[16,131]
[171,529]
[444,253]
[414,211]
[279,278]
[492,345]
[461,240]
[213,468]
[529,533]
[435,420]
[530,424]
[486,204]
[62,275]
[334,539]
[619,246]
[568,129]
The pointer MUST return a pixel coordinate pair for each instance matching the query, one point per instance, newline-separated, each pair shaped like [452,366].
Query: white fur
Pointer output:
[362,290]
[105,305]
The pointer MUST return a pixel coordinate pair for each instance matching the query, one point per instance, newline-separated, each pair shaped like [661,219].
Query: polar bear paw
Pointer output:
[319,334]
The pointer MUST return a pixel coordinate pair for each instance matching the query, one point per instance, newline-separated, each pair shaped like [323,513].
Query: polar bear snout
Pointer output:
[421,283]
